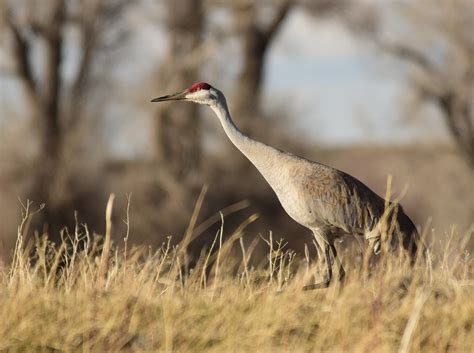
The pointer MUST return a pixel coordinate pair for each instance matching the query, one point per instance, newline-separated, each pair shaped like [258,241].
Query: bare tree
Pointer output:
[256,37]
[257,24]
[38,38]
[437,41]
[177,127]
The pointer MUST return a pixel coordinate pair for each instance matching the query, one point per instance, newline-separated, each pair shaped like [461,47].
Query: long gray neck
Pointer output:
[265,158]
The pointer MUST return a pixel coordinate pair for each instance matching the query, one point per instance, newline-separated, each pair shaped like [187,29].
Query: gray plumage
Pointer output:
[329,202]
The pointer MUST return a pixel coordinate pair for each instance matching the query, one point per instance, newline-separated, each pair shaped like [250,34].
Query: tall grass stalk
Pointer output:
[84,294]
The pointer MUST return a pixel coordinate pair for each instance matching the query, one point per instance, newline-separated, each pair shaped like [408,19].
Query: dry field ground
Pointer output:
[92,295]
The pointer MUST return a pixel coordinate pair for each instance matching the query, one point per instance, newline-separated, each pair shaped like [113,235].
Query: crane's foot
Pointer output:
[326,282]
[320,285]
[341,276]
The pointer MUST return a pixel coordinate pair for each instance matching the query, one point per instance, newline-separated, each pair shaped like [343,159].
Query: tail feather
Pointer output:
[411,239]
[405,234]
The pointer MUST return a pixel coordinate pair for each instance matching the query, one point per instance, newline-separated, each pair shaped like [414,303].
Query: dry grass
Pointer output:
[73,296]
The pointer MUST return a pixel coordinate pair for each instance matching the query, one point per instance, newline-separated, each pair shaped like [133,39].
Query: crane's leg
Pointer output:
[340,269]
[325,251]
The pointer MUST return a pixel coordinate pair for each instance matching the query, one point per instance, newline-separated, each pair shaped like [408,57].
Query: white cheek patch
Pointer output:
[199,96]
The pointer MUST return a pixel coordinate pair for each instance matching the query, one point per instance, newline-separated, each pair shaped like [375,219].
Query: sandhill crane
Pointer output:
[328,201]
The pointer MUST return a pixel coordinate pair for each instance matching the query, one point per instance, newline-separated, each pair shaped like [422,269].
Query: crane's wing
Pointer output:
[340,201]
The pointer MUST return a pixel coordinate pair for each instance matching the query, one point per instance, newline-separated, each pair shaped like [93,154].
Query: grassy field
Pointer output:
[88,294]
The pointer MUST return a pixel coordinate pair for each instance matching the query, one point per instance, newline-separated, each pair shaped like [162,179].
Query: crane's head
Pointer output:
[200,92]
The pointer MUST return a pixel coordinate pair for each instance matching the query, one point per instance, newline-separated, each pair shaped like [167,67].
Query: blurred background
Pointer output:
[374,88]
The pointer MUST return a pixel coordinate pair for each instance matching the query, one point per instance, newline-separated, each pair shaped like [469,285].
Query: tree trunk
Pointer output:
[250,79]
[256,41]
[177,125]
[459,119]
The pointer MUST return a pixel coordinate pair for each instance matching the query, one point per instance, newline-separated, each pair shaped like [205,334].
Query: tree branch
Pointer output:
[281,14]
[410,54]
[87,45]
[91,27]
[22,57]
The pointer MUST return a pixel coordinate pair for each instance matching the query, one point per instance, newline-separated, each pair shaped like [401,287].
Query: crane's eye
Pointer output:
[213,94]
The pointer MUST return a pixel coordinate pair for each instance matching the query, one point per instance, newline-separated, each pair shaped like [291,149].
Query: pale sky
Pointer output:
[342,89]
[337,89]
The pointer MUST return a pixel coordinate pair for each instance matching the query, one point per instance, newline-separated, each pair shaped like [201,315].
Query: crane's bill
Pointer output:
[171,97]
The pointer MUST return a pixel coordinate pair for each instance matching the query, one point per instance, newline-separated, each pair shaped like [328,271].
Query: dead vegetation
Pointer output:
[93,295]
[218,284]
